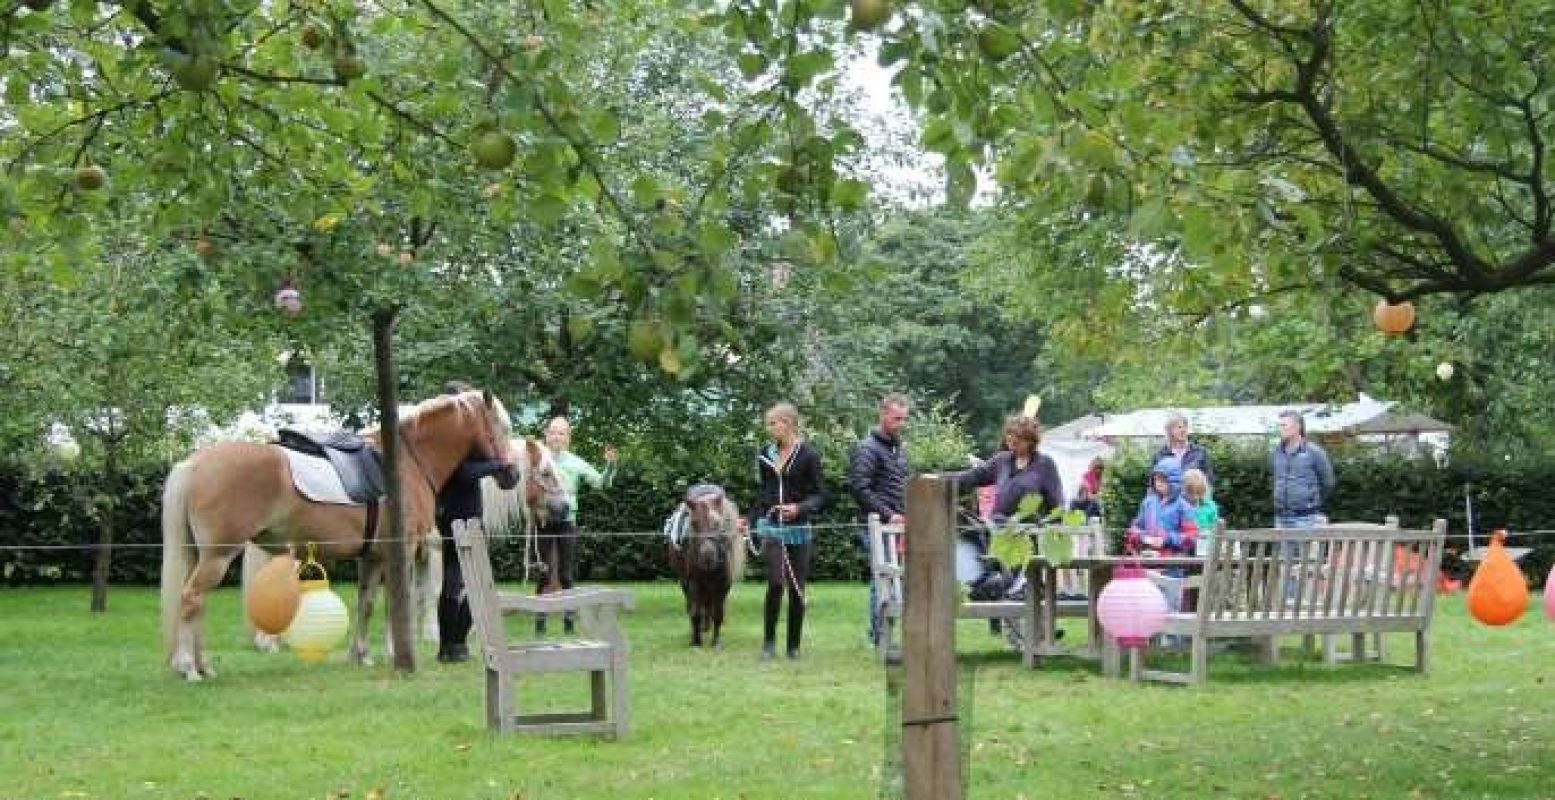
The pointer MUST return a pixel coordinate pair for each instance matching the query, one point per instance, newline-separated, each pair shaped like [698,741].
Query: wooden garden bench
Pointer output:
[1341,579]
[599,649]
[1033,617]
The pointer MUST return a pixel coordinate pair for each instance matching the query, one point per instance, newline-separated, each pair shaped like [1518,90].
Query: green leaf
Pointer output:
[603,126]
[1012,548]
[849,194]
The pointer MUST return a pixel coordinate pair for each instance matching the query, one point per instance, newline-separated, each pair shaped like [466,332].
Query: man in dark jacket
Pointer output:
[1303,475]
[877,478]
[460,498]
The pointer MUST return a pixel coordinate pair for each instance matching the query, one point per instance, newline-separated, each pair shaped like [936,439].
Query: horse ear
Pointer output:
[486,396]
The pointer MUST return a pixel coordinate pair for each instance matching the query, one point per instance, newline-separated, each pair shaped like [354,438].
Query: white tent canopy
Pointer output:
[1347,418]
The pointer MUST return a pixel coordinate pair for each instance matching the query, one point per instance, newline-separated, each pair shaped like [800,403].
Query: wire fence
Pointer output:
[849,529]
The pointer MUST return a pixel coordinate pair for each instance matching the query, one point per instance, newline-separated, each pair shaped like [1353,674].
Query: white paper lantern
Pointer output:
[320,624]
[1131,608]
[1444,371]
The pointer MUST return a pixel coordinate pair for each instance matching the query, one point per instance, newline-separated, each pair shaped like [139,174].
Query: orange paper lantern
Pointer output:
[1549,594]
[1393,319]
[273,595]
[1498,593]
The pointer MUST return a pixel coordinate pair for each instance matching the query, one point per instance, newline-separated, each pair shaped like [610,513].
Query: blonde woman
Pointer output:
[792,491]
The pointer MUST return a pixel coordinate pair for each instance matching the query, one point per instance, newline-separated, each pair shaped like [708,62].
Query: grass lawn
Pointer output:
[87,710]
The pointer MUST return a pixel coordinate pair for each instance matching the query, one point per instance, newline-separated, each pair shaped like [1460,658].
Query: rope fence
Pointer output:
[851,528]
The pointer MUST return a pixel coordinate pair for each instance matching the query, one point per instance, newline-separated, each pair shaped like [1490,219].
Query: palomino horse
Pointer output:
[707,553]
[517,508]
[229,494]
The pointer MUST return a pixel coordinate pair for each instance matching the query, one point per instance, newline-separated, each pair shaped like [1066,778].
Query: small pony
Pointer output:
[707,553]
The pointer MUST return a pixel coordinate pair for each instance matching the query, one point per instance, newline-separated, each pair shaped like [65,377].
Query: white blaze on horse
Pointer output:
[225,496]
[707,553]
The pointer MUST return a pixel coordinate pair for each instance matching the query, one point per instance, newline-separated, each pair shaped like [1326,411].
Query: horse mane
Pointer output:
[471,403]
[504,510]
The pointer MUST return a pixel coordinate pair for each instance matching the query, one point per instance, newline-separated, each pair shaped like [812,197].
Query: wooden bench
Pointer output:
[599,649]
[1340,579]
[1031,620]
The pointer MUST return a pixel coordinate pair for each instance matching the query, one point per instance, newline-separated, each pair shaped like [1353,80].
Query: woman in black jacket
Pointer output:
[791,491]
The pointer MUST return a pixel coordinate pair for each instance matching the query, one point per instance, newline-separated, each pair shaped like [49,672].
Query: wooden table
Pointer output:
[1042,593]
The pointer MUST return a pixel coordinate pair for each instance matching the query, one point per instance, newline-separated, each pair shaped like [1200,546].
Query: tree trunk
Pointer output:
[104,557]
[397,579]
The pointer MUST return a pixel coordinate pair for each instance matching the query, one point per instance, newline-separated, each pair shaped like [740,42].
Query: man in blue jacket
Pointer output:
[1303,476]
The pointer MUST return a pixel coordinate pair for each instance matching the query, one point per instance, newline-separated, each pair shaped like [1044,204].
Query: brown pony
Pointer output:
[708,555]
[230,494]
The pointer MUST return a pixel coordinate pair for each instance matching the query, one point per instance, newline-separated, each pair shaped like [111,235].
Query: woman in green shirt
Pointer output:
[558,539]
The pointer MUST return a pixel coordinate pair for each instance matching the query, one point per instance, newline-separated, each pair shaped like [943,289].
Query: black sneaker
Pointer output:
[793,654]
[768,652]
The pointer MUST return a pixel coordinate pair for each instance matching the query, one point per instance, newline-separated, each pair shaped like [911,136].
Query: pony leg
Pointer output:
[370,571]
[718,622]
[254,559]
[188,657]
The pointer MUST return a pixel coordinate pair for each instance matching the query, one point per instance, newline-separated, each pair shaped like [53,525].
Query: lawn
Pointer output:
[88,711]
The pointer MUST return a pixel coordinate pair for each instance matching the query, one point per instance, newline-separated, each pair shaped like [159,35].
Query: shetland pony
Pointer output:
[707,553]
[230,494]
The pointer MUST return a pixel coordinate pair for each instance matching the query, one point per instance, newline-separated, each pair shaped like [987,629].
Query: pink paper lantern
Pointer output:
[1549,594]
[1131,608]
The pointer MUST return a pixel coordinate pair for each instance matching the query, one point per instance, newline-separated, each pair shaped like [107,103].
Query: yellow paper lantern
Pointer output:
[273,595]
[320,624]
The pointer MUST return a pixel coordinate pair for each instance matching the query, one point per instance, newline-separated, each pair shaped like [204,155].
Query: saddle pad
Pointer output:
[316,479]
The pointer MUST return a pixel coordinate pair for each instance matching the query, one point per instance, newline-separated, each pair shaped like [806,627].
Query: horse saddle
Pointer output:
[355,461]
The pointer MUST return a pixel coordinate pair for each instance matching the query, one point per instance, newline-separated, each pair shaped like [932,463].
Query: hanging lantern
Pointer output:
[321,621]
[273,595]
[1549,594]
[1498,594]
[1393,319]
[1131,609]
[288,299]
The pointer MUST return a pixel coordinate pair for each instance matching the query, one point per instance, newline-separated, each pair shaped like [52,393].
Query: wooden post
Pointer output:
[930,753]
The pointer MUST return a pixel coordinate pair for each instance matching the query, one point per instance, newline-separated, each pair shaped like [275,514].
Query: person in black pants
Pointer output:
[459,499]
[792,490]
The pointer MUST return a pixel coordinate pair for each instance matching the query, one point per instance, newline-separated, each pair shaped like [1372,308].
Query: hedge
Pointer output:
[620,526]
[42,512]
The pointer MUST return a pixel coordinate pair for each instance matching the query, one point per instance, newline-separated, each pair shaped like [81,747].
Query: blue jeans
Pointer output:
[874,610]
[1292,550]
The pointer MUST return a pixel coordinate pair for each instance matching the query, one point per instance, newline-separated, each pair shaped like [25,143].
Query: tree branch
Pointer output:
[579,145]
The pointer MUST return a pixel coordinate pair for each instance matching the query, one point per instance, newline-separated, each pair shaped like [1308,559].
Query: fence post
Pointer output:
[930,752]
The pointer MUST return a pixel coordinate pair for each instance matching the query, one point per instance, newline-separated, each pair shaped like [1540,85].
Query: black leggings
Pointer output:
[558,545]
[791,576]
[453,607]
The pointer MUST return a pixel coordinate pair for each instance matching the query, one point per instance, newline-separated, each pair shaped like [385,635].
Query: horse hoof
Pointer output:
[267,643]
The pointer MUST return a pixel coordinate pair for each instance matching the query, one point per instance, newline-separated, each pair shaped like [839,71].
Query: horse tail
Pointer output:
[176,541]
